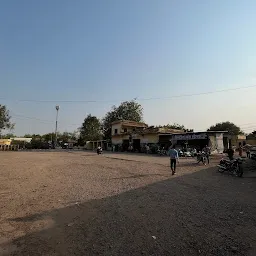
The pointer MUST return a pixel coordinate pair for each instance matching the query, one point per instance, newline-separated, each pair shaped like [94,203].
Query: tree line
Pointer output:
[94,128]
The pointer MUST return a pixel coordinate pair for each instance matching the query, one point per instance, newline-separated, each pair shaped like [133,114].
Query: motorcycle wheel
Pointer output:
[221,170]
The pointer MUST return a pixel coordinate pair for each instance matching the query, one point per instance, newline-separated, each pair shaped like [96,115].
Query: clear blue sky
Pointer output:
[121,49]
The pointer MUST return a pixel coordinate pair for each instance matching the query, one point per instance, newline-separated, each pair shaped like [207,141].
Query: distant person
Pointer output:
[174,158]
[207,152]
[230,152]
[147,149]
[248,152]
[240,151]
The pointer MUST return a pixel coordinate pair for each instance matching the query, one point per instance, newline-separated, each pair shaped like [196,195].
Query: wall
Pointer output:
[236,139]
[118,139]
[219,142]
[116,126]
[251,142]
[149,138]
[212,142]
[5,142]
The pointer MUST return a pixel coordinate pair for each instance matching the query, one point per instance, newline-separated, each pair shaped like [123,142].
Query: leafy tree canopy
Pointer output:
[226,126]
[8,136]
[91,129]
[127,110]
[178,127]
[5,119]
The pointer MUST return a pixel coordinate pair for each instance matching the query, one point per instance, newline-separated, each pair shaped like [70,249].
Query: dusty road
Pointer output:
[78,203]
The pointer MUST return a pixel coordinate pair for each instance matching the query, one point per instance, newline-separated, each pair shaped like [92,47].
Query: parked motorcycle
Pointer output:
[232,167]
[99,151]
[162,152]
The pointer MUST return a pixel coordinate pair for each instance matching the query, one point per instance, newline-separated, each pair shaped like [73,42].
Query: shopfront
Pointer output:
[191,140]
[199,140]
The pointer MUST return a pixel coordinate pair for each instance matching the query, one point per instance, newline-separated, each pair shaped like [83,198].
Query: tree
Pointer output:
[178,127]
[226,126]
[5,119]
[8,136]
[127,110]
[27,136]
[91,129]
[252,135]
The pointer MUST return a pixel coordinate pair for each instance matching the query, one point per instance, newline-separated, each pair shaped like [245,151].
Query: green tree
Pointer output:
[27,136]
[178,127]
[128,110]
[48,137]
[8,136]
[252,135]
[91,129]
[226,126]
[5,119]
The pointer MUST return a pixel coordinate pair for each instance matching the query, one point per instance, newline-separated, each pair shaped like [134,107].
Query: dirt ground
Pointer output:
[79,203]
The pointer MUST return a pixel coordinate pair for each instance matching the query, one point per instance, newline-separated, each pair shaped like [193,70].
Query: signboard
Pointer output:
[199,136]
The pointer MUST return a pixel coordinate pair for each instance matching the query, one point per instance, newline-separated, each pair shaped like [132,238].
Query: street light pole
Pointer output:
[56,127]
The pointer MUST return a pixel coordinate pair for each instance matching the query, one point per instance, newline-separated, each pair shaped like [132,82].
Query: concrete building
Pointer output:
[216,140]
[21,139]
[129,133]
[5,142]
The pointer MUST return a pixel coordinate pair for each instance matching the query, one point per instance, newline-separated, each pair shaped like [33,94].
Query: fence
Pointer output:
[9,147]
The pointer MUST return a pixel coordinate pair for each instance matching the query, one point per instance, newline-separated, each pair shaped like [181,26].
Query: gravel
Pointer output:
[79,203]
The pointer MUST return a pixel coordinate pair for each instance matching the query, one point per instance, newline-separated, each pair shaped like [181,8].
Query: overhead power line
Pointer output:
[137,98]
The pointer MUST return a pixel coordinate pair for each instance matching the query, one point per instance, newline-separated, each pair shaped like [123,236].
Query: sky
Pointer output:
[116,50]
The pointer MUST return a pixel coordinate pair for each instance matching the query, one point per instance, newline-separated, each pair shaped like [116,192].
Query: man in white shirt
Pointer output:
[174,158]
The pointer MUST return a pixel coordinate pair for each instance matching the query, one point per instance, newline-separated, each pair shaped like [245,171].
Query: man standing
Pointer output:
[230,152]
[207,152]
[174,157]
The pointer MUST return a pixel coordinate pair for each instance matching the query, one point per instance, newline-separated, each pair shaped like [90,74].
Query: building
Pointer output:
[216,140]
[129,133]
[26,140]
[5,142]
[237,140]
[124,132]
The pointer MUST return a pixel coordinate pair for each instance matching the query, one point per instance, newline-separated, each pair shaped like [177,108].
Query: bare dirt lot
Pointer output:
[79,203]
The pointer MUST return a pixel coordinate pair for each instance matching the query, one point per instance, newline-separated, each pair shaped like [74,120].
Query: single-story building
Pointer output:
[216,140]
[5,141]
[26,140]
[127,134]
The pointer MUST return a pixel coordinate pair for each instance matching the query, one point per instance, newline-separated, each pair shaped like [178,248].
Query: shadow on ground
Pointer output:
[204,213]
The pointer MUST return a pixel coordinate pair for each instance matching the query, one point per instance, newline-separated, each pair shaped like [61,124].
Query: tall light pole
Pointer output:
[56,127]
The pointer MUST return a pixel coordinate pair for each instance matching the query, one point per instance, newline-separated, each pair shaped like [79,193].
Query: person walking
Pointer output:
[207,152]
[174,158]
[248,152]
[240,150]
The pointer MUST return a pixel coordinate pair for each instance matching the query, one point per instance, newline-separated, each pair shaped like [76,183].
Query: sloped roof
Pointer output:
[130,123]
[160,130]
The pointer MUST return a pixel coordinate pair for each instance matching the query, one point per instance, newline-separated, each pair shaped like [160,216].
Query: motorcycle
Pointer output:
[232,167]
[99,151]
[162,152]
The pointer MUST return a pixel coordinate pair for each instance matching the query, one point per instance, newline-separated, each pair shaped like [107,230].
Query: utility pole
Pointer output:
[56,127]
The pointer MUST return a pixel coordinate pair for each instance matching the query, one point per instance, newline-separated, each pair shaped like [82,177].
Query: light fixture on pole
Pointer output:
[56,128]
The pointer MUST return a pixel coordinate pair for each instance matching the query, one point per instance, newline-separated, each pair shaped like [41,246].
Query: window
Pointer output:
[115,131]
[125,129]
[133,129]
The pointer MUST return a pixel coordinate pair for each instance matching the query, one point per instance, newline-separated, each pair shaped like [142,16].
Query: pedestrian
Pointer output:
[248,152]
[240,151]
[230,152]
[174,158]
[147,149]
[207,152]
